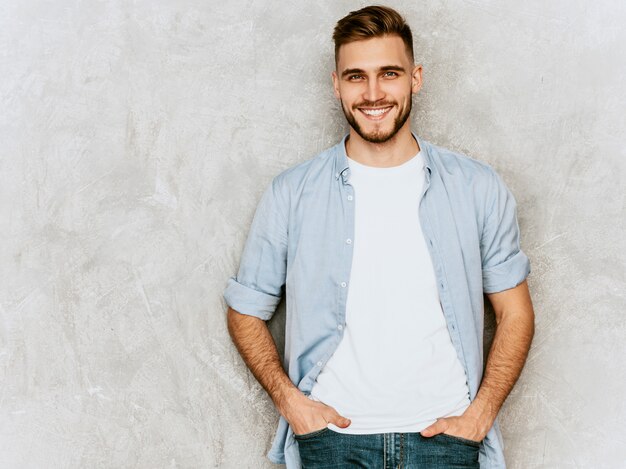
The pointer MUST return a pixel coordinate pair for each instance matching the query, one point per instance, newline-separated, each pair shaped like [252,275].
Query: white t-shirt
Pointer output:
[395,369]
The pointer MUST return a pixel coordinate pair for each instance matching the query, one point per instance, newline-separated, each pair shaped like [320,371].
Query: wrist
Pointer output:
[483,412]
[288,400]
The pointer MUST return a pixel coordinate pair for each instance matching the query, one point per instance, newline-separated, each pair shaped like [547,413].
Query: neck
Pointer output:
[395,151]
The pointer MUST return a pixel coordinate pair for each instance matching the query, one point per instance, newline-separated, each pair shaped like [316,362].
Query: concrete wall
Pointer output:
[137,138]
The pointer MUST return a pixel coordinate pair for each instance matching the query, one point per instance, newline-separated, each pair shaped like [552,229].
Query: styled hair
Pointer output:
[369,22]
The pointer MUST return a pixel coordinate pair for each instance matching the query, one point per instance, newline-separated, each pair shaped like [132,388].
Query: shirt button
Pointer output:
[340,327]
[349,197]
[319,363]
[349,241]
[343,284]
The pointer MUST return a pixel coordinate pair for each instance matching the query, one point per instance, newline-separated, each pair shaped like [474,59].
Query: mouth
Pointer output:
[375,113]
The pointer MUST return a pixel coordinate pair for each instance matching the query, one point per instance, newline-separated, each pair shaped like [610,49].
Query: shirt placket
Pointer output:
[440,274]
[347,251]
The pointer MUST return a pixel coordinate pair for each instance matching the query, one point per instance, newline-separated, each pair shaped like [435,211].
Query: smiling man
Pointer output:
[384,245]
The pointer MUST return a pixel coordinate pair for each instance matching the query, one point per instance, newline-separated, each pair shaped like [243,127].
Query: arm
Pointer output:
[258,350]
[256,346]
[515,328]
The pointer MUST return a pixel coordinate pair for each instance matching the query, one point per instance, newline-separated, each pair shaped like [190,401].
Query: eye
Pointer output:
[390,74]
[355,77]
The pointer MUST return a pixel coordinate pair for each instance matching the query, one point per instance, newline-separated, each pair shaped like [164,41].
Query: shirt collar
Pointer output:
[342,167]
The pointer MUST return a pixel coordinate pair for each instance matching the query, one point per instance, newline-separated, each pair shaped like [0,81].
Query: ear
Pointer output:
[336,84]
[416,79]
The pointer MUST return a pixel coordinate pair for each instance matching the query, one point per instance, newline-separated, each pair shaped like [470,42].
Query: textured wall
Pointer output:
[137,138]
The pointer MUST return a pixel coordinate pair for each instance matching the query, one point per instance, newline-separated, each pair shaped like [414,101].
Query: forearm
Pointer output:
[505,361]
[256,346]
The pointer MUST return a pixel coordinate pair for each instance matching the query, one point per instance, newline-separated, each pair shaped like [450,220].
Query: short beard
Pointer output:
[377,137]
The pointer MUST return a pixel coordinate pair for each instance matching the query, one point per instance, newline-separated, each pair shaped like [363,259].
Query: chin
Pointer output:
[375,132]
[376,136]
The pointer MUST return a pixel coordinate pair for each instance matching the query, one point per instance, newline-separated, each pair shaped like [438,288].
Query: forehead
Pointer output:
[373,53]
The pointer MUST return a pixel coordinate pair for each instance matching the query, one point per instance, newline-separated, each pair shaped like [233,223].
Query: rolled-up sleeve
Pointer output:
[256,289]
[504,264]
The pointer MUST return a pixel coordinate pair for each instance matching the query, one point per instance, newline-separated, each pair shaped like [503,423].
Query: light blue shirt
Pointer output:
[301,242]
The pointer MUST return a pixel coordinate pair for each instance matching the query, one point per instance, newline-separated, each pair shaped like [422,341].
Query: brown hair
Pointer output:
[370,22]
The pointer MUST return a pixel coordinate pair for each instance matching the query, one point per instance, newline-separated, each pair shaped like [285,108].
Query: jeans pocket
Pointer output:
[308,436]
[460,439]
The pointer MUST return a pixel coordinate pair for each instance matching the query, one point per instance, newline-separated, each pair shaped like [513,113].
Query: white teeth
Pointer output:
[375,112]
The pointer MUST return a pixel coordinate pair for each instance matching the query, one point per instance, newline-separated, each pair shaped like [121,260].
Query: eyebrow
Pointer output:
[386,68]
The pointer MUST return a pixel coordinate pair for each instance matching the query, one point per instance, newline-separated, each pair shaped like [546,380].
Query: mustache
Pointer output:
[373,104]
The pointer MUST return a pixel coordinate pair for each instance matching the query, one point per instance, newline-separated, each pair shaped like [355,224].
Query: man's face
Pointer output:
[374,80]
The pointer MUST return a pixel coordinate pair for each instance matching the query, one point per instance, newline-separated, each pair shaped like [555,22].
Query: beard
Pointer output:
[377,136]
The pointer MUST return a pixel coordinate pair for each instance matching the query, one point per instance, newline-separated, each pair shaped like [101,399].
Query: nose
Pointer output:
[373,91]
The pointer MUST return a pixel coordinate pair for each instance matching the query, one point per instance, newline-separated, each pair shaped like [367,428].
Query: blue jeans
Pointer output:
[326,448]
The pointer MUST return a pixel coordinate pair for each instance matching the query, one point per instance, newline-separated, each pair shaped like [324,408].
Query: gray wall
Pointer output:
[137,138]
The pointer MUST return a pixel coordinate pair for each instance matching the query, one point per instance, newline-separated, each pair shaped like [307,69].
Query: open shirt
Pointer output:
[301,241]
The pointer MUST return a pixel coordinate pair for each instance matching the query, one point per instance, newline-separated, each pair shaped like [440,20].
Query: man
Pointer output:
[385,245]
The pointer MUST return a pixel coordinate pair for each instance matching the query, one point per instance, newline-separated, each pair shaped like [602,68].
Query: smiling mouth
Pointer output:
[375,113]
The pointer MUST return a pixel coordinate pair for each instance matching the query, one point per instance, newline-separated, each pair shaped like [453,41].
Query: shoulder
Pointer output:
[459,165]
[309,170]
[468,177]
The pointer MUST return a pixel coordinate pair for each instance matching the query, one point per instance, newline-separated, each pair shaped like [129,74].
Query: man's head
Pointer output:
[375,75]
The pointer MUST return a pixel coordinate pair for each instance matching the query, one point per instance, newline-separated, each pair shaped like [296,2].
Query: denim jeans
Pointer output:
[326,448]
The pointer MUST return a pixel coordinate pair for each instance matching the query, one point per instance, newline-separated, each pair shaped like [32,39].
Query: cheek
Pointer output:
[405,94]
[350,96]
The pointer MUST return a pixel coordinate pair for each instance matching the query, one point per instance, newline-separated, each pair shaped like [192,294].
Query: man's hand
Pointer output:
[306,416]
[474,424]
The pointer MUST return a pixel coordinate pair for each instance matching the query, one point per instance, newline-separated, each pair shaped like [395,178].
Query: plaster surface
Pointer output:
[137,138]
